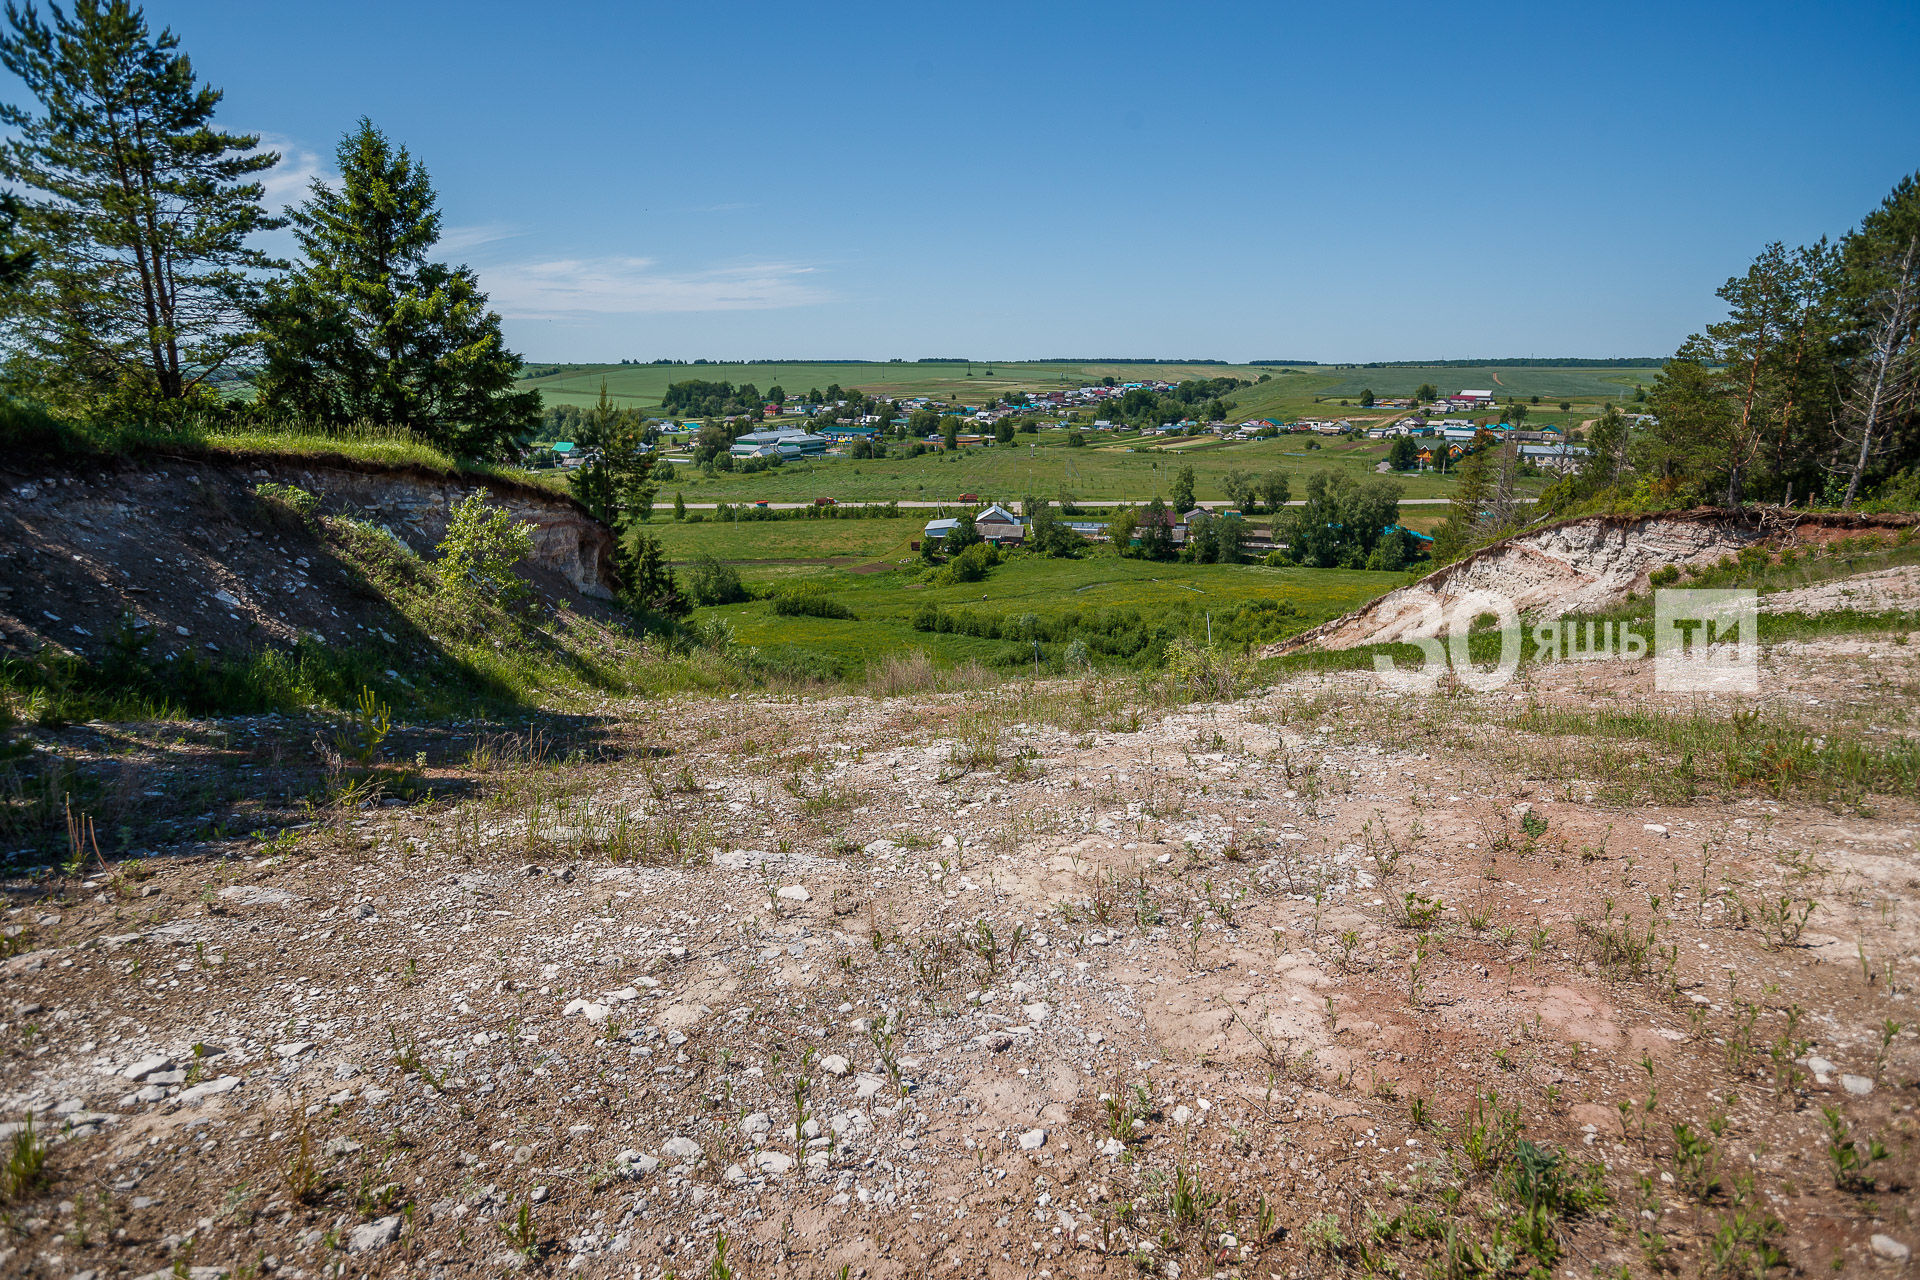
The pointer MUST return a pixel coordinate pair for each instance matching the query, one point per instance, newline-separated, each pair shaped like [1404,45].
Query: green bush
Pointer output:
[810,604]
[290,499]
[482,545]
[708,582]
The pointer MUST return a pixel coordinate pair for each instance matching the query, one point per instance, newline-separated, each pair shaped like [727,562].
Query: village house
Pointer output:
[992,522]
[999,526]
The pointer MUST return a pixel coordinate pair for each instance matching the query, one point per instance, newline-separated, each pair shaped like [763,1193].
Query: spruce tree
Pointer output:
[135,209]
[367,327]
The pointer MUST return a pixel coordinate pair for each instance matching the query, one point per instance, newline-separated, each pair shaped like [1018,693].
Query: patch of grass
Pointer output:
[26,1168]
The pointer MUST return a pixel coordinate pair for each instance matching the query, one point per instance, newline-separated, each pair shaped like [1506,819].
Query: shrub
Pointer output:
[792,603]
[709,582]
[1665,576]
[482,545]
[289,503]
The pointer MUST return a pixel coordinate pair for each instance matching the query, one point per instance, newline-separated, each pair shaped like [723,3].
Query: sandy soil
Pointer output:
[1037,982]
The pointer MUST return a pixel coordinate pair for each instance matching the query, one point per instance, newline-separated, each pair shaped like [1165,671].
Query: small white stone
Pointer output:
[1858,1086]
[680,1150]
[774,1162]
[1037,1011]
[1654,828]
[1889,1248]
[1033,1139]
[794,893]
[147,1066]
[211,1089]
[835,1065]
[377,1234]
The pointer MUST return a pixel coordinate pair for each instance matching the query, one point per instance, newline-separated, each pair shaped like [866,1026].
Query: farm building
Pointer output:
[784,442]
[1554,457]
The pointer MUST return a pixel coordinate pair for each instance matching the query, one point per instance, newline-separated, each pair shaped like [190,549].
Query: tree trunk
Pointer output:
[1887,349]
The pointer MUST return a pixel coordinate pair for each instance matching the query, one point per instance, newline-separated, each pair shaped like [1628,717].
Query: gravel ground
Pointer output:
[1053,980]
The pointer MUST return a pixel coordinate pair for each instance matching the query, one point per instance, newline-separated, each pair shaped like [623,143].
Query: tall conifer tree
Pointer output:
[367,327]
[135,209]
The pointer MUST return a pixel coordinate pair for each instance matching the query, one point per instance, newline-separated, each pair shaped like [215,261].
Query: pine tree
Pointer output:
[368,328]
[137,209]
[615,480]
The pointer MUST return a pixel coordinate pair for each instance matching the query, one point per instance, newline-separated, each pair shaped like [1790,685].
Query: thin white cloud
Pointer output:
[573,287]
[288,182]
[460,239]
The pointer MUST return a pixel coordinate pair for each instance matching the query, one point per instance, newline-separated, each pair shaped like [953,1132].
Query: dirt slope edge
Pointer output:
[181,545]
[1585,563]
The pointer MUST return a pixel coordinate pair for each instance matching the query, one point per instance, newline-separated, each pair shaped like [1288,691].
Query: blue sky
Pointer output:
[1240,181]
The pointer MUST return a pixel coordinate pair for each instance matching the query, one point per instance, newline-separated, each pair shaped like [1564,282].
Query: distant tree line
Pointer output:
[1523,362]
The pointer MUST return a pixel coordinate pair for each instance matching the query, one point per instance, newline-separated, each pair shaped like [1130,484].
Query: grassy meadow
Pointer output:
[1127,468]
[786,544]
[1288,393]
[643,385]
[1125,610]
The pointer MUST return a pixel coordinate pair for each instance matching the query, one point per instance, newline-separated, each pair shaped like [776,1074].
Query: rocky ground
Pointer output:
[1038,981]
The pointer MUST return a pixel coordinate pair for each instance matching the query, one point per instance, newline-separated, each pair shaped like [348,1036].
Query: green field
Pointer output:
[783,545]
[1289,393]
[1046,467]
[1100,590]
[643,385]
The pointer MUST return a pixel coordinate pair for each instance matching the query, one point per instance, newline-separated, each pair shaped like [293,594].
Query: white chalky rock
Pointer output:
[1033,1139]
[757,1126]
[867,1085]
[587,1009]
[147,1066]
[1113,1148]
[680,1150]
[1858,1086]
[1182,1113]
[1036,1012]
[293,1048]
[774,1162]
[377,1234]
[1654,828]
[210,1089]
[794,893]
[1889,1248]
[835,1065]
